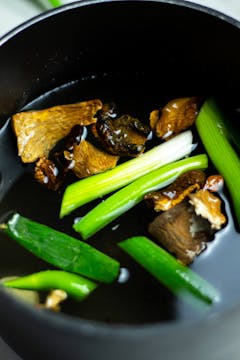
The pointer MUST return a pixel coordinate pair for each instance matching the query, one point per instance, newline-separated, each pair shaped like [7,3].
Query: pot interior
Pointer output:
[140,55]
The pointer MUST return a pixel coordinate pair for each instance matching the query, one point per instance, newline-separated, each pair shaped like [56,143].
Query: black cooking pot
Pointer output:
[154,48]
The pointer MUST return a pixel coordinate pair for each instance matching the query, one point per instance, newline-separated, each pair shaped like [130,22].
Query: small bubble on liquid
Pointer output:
[77,219]
[124,275]
[115,227]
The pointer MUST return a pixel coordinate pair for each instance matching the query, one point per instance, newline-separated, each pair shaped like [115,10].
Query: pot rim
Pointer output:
[80,3]
[96,328]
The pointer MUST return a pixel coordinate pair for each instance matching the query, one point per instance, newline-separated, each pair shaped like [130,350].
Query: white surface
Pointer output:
[15,12]
[229,7]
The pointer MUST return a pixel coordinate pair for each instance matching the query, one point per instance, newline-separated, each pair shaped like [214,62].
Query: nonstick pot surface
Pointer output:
[140,54]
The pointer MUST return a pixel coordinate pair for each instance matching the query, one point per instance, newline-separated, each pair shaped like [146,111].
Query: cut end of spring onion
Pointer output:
[129,196]
[93,187]
[180,279]
[214,132]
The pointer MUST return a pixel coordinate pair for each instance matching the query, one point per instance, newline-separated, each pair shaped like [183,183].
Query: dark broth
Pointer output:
[136,297]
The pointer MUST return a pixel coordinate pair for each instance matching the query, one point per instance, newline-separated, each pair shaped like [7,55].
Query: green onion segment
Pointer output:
[88,189]
[164,267]
[213,133]
[61,250]
[55,3]
[74,285]
[132,194]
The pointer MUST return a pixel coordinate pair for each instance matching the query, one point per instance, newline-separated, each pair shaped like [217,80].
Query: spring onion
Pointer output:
[88,189]
[55,3]
[74,285]
[61,250]
[132,194]
[164,267]
[211,128]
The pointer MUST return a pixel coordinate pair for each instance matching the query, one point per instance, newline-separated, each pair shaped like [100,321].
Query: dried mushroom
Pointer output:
[51,172]
[123,136]
[46,173]
[209,207]
[54,299]
[176,192]
[38,131]
[176,116]
[108,111]
[214,183]
[181,231]
[91,160]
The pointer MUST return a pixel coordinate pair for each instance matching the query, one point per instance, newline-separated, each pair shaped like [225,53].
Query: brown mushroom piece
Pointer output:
[89,160]
[108,111]
[39,131]
[122,136]
[76,154]
[47,174]
[209,207]
[181,232]
[214,183]
[51,171]
[177,115]
[176,192]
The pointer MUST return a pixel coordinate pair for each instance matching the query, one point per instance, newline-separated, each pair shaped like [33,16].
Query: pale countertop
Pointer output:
[15,12]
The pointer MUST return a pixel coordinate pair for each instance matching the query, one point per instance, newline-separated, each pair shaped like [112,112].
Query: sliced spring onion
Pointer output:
[49,4]
[74,285]
[88,189]
[213,133]
[132,194]
[61,250]
[55,3]
[164,267]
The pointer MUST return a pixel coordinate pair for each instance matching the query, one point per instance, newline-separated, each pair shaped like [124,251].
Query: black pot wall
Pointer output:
[48,336]
[172,46]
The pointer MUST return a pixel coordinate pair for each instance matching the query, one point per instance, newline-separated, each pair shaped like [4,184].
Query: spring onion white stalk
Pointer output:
[132,194]
[93,187]
[213,132]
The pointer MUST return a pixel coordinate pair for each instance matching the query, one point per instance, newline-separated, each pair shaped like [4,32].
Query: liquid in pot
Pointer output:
[136,297]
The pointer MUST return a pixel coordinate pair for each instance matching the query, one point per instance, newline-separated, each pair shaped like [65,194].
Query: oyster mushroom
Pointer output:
[209,207]
[39,131]
[89,159]
[181,232]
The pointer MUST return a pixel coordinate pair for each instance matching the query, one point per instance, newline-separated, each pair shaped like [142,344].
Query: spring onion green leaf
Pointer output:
[88,189]
[132,194]
[61,250]
[48,4]
[74,285]
[164,267]
[55,3]
[211,128]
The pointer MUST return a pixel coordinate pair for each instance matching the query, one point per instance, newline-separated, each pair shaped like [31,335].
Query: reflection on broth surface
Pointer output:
[136,297]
